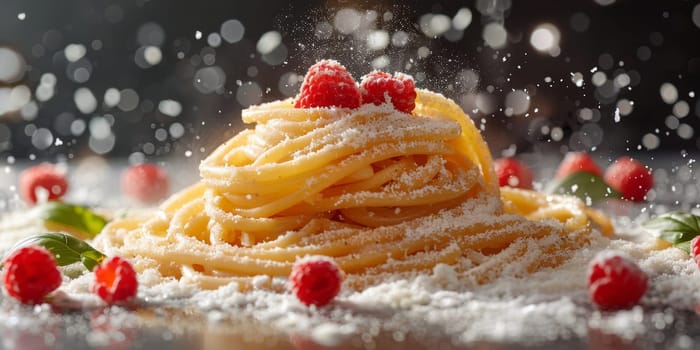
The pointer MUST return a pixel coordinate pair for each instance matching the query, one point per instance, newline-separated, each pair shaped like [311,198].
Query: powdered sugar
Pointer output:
[545,305]
[550,304]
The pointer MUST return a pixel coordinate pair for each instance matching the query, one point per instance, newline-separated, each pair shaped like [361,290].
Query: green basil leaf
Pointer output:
[91,258]
[674,221]
[675,227]
[81,218]
[584,185]
[683,246]
[676,237]
[65,248]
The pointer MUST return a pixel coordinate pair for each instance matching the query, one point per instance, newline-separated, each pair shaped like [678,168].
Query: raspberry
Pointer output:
[512,172]
[399,90]
[31,274]
[695,249]
[328,84]
[315,280]
[577,161]
[630,178]
[145,182]
[615,282]
[46,176]
[115,280]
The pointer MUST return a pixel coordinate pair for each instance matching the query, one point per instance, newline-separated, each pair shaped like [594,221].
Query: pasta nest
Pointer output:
[386,194]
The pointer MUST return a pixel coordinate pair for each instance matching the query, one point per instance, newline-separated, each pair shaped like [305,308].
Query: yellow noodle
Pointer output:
[386,194]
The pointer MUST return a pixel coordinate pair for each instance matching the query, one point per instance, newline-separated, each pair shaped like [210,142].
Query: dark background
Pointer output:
[651,42]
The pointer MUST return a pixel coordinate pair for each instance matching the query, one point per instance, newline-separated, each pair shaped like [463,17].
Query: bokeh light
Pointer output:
[495,35]
[532,79]
[546,38]
[12,65]
[232,31]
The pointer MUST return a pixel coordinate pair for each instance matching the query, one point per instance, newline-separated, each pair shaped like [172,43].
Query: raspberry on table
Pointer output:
[577,161]
[328,84]
[629,177]
[379,87]
[115,280]
[46,176]
[146,182]
[315,280]
[513,173]
[615,282]
[30,274]
[695,249]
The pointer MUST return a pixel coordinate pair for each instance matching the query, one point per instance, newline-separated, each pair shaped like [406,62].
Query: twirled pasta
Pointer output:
[386,194]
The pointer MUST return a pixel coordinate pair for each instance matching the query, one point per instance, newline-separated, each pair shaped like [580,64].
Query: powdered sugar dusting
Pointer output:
[546,305]
[543,306]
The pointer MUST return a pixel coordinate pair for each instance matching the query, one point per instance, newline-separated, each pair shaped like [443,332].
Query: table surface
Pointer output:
[160,327]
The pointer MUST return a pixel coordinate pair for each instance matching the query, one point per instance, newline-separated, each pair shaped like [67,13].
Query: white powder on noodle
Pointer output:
[545,305]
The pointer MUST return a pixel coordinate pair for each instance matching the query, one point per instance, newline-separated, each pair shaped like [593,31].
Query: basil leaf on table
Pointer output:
[78,217]
[65,248]
[584,185]
[677,228]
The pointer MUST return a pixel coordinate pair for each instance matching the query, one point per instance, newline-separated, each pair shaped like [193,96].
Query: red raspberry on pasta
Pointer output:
[615,281]
[115,280]
[380,87]
[629,177]
[145,182]
[315,280]
[328,84]
[513,173]
[577,161]
[45,176]
[31,274]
